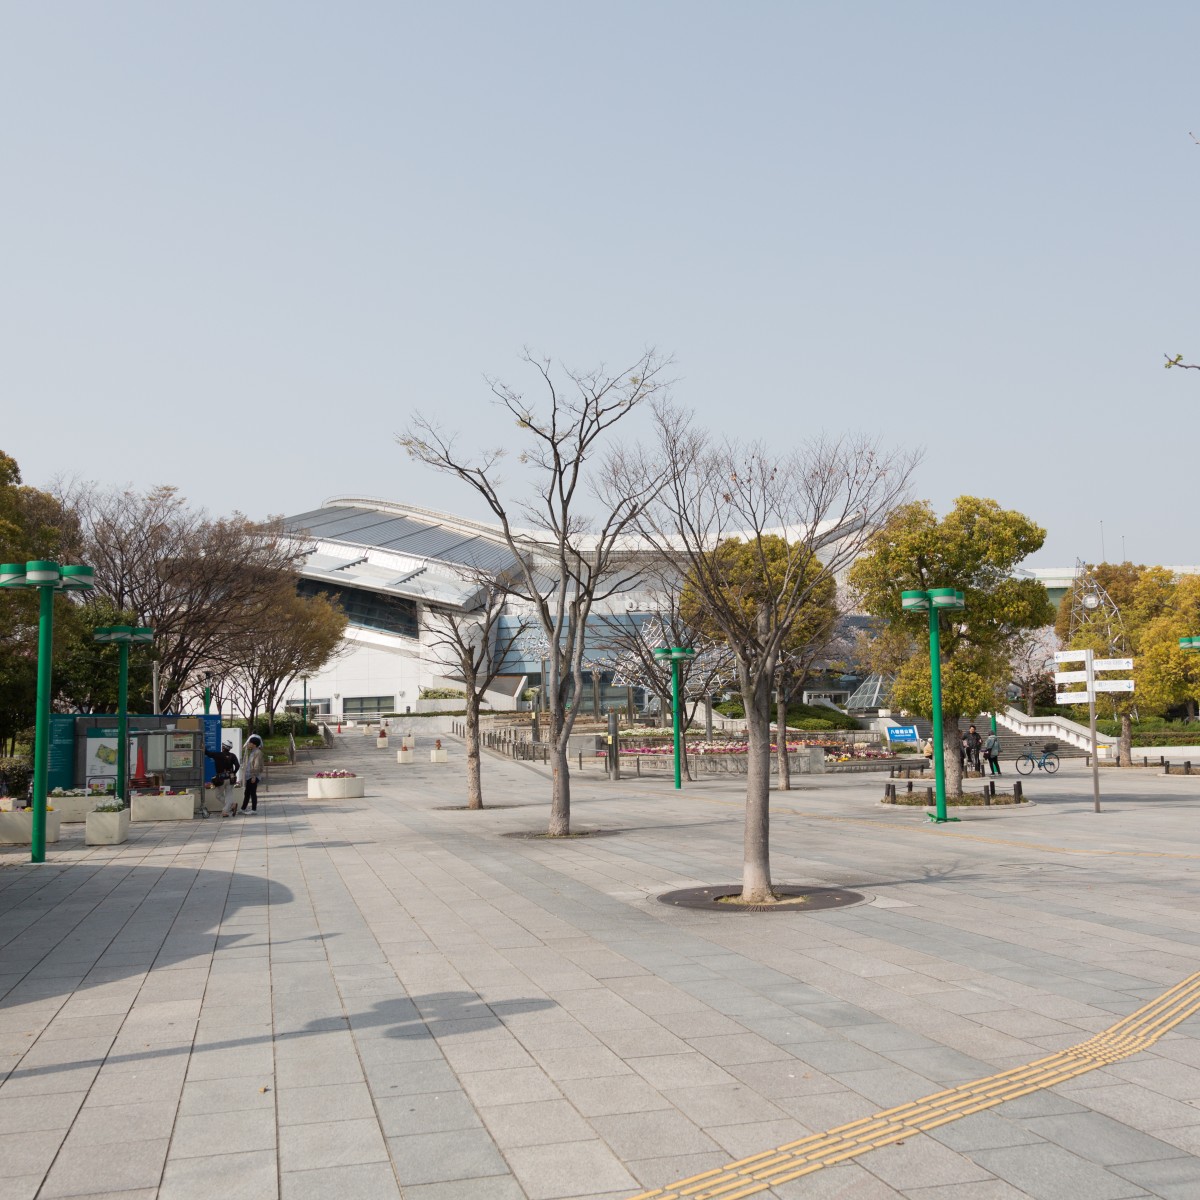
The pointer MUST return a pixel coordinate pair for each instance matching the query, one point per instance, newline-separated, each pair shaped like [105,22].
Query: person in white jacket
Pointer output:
[252,770]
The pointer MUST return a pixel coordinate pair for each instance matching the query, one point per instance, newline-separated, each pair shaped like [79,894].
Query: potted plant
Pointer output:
[437,754]
[107,824]
[335,785]
[16,827]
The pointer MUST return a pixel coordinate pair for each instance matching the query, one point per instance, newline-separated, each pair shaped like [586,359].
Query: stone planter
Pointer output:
[404,756]
[74,808]
[438,756]
[381,742]
[107,828]
[163,808]
[336,789]
[16,828]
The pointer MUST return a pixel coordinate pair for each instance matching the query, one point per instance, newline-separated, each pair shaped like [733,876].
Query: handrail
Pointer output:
[1070,732]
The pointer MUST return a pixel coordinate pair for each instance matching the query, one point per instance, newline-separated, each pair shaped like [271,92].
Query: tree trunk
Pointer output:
[560,796]
[1125,751]
[756,850]
[474,784]
[1029,705]
[785,774]
[951,742]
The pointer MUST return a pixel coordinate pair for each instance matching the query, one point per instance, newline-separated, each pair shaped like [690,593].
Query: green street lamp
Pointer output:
[676,655]
[124,636]
[48,578]
[933,601]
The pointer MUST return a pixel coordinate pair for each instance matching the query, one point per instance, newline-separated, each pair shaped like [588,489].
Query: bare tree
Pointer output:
[202,584]
[569,557]
[758,534]
[1033,663]
[477,649]
[303,635]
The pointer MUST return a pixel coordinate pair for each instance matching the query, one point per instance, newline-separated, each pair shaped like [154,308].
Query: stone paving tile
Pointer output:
[243,1176]
[1052,1172]
[368,1181]
[569,1169]
[138,1164]
[441,1157]
[1171,1178]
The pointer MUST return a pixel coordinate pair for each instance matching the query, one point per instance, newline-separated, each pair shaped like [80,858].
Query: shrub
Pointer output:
[797,715]
[442,694]
[16,776]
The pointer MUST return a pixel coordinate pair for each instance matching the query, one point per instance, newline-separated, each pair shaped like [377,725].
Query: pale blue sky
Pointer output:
[242,240]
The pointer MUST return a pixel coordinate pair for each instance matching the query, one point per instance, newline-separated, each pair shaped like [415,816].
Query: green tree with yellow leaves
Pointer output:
[976,548]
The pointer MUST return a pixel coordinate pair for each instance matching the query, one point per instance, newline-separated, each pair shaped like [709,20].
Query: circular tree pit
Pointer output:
[724,898]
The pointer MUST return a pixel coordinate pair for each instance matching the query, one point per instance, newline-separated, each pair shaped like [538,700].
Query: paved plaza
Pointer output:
[368,999]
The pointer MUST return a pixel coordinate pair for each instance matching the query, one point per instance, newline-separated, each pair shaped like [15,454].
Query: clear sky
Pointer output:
[242,240]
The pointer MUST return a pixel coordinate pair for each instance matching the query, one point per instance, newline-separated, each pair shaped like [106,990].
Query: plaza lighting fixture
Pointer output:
[124,636]
[933,601]
[48,577]
[675,655]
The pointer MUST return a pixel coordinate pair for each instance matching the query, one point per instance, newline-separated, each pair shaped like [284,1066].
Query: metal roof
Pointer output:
[403,535]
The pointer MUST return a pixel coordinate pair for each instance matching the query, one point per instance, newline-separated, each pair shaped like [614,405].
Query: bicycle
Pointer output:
[1047,761]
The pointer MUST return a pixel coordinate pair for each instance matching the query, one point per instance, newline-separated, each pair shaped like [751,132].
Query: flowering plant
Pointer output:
[335,775]
[68,792]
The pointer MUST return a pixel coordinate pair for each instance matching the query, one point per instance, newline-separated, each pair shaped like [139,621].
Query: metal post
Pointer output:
[41,742]
[614,747]
[935,687]
[304,716]
[1089,658]
[708,718]
[207,698]
[154,686]
[993,720]
[123,722]
[675,719]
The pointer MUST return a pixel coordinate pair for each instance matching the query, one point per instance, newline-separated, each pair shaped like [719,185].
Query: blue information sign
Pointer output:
[902,733]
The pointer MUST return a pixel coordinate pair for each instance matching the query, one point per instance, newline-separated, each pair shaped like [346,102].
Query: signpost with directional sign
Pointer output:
[1092,685]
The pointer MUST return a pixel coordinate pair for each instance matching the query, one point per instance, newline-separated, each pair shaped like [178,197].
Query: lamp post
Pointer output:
[676,655]
[304,715]
[933,601]
[208,678]
[123,636]
[49,578]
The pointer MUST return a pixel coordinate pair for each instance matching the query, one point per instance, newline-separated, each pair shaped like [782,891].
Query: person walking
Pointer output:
[252,770]
[991,750]
[974,745]
[226,765]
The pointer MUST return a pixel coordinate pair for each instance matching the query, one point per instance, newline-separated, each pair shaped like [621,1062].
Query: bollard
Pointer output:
[1018,791]
[987,798]
[637,758]
[908,786]
[1187,767]
[929,795]
[1166,767]
[1145,761]
[992,786]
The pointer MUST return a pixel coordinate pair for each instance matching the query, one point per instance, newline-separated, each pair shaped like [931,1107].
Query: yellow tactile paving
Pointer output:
[759,1172]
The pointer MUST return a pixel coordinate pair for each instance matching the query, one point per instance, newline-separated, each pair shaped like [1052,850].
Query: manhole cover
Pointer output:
[792,899]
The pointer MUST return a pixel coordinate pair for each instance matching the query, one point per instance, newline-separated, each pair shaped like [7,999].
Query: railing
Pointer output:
[1034,728]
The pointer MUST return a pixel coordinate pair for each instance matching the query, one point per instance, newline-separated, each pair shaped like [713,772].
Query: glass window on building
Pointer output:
[367,706]
[370,610]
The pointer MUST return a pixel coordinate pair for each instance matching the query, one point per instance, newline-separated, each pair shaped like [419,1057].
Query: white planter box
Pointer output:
[336,789]
[107,828]
[75,808]
[163,808]
[382,743]
[404,756]
[437,756]
[16,828]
